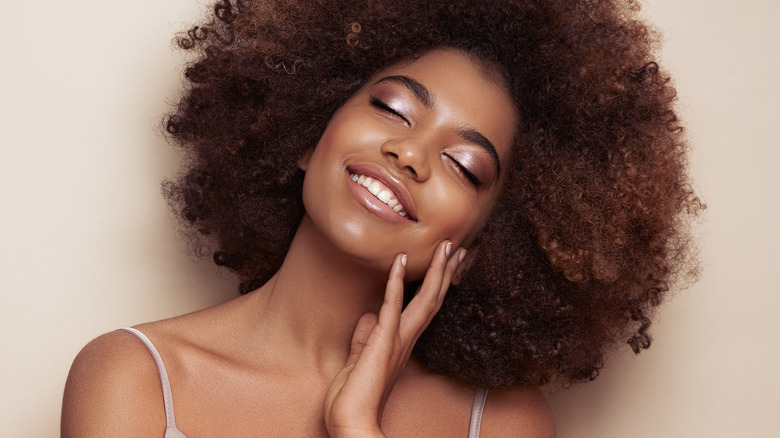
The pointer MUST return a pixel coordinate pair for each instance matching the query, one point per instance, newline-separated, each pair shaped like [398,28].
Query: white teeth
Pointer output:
[374,188]
[381,193]
[385,196]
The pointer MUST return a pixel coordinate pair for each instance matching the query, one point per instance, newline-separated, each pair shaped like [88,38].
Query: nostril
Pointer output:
[403,159]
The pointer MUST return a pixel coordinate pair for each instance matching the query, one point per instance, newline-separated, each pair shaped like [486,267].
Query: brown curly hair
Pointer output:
[592,229]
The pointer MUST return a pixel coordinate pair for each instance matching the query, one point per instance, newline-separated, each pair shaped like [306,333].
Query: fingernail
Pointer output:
[448,248]
[462,255]
[403,260]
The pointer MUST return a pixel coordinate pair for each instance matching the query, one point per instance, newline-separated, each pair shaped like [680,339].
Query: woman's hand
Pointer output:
[382,345]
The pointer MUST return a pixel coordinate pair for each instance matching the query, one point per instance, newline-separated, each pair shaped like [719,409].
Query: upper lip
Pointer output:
[393,184]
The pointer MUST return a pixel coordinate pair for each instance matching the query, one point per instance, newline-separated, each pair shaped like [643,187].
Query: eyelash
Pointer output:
[466,172]
[463,169]
[385,107]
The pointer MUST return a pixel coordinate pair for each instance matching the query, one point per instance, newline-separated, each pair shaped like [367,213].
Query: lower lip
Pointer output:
[372,204]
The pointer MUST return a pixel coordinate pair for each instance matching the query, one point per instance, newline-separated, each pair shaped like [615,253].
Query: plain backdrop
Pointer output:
[87,243]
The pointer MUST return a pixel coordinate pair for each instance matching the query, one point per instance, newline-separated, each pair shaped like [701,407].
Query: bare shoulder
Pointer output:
[517,412]
[113,389]
[427,404]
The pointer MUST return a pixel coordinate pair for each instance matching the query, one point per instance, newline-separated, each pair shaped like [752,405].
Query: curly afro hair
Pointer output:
[592,229]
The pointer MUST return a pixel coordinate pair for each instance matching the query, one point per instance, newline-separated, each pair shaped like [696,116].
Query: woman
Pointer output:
[354,164]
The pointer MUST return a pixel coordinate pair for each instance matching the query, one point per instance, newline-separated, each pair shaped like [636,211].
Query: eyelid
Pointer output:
[377,102]
[465,170]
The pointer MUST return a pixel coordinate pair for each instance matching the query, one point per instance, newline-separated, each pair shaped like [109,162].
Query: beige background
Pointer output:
[87,244]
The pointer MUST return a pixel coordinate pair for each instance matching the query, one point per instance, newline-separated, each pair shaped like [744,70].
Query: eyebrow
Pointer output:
[467,133]
[419,90]
[473,136]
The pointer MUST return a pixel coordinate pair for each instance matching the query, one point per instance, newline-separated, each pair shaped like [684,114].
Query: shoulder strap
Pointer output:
[476,412]
[170,431]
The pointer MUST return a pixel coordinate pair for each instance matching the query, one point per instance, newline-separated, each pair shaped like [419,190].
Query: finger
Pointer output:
[444,282]
[427,301]
[453,263]
[435,272]
[390,312]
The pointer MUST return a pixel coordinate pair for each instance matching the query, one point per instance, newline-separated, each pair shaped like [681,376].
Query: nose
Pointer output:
[409,156]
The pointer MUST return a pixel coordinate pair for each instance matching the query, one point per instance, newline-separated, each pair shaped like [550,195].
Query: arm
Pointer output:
[381,346]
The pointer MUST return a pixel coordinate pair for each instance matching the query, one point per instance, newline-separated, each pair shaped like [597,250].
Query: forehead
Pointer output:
[465,92]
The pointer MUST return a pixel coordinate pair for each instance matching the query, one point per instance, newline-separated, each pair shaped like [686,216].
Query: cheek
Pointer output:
[321,172]
[458,224]
[458,220]
[458,213]
[348,134]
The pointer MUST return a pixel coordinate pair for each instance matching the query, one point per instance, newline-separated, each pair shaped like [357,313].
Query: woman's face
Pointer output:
[416,156]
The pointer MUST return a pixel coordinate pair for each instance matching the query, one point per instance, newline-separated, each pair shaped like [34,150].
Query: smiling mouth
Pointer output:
[380,192]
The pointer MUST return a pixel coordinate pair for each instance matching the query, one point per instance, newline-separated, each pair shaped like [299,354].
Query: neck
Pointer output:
[312,304]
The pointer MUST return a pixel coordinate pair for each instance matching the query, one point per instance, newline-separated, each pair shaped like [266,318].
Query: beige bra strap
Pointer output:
[170,431]
[476,412]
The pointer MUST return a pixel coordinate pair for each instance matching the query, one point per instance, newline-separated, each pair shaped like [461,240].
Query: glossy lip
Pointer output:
[399,191]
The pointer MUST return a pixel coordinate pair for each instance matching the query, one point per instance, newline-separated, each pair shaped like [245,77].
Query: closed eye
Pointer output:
[385,107]
[465,171]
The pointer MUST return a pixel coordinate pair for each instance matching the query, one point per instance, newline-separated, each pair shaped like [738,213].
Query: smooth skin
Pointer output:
[323,349]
